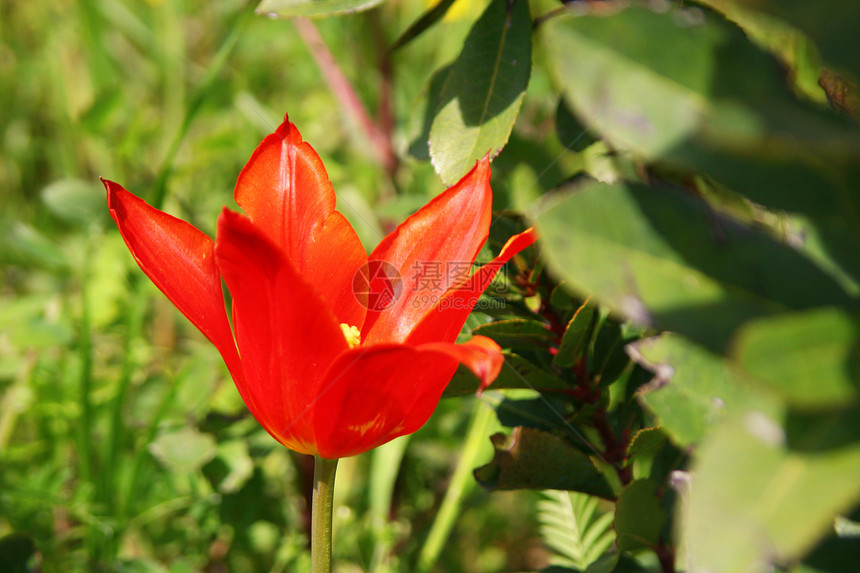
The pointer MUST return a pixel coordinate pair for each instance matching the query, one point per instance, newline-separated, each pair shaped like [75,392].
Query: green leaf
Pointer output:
[576,337]
[639,516]
[572,526]
[754,500]
[693,389]
[428,19]
[76,201]
[185,450]
[654,102]
[516,332]
[293,8]
[811,359]
[482,94]
[17,553]
[666,260]
[571,133]
[832,25]
[788,44]
[533,459]
[517,372]
[644,447]
[239,465]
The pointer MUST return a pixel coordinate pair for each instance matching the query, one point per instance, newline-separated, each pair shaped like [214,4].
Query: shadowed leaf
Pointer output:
[533,459]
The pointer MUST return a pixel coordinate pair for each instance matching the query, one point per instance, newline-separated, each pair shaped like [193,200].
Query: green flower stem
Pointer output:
[324,471]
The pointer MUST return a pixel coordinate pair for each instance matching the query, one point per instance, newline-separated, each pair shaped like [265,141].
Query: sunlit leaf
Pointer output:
[666,260]
[769,502]
[811,359]
[692,388]
[292,8]
[574,528]
[483,91]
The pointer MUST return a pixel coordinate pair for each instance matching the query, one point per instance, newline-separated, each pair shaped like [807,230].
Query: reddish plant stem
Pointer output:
[385,111]
[666,555]
[380,143]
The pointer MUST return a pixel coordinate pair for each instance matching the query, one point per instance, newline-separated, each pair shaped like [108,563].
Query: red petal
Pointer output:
[443,322]
[180,260]
[285,190]
[448,231]
[372,395]
[480,354]
[287,335]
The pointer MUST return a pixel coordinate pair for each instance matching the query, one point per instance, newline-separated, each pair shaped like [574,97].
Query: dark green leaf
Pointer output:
[17,553]
[639,516]
[516,333]
[643,448]
[483,91]
[572,134]
[532,459]
[832,25]
[576,337]
[517,372]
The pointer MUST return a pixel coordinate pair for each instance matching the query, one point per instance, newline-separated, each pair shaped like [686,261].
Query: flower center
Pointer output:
[352,334]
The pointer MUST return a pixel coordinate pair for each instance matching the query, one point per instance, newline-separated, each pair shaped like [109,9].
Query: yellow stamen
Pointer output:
[352,334]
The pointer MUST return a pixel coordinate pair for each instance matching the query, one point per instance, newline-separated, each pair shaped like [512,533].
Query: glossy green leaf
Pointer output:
[639,516]
[644,447]
[515,333]
[517,372]
[482,94]
[793,49]
[692,389]
[533,459]
[756,501]
[812,359]
[576,336]
[666,260]
[832,25]
[293,8]
[695,107]
[654,101]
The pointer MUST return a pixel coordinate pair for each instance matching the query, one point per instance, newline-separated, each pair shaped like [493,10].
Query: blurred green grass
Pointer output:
[123,443]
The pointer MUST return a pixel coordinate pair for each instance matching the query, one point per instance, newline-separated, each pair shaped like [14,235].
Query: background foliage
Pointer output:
[682,369]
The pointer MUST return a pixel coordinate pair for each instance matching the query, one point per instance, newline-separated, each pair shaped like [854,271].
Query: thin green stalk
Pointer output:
[92,540]
[385,464]
[116,435]
[323,501]
[461,484]
[215,66]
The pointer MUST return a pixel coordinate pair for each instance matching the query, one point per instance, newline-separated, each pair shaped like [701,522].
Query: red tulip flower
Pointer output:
[334,352]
